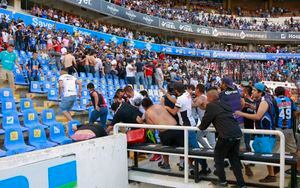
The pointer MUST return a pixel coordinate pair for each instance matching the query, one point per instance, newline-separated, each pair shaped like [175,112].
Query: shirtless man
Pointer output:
[158,115]
[68,61]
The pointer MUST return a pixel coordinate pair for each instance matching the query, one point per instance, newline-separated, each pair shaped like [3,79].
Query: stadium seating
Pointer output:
[6,93]
[38,139]
[14,142]
[48,117]
[26,104]
[2,153]
[57,134]
[11,120]
[35,87]
[70,125]
[53,95]
[31,119]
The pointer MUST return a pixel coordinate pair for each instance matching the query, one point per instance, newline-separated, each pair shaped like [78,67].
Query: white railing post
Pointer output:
[282,159]
[186,153]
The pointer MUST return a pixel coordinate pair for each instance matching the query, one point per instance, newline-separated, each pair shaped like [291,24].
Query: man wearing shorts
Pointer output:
[8,60]
[158,115]
[67,90]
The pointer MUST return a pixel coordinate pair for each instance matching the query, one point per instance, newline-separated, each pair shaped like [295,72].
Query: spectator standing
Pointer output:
[130,73]
[149,74]
[5,37]
[220,115]
[67,90]
[140,76]
[159,76]
[19,38]
[8,61]
[34,67]
[263,118]
[69,63]
[99,104]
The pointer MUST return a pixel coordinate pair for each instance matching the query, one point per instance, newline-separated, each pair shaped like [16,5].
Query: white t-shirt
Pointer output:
[130,73]
[69,85]
[137,97]
[5,37]
[184,103]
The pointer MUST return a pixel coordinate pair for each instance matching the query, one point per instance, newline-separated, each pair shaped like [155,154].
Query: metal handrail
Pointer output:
[186,146]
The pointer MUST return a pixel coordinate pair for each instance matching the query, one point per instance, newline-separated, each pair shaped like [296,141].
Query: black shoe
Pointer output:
[191,170]
[160,163]
[181,168]
[165,166]
[226,164]
[205,172]
[219,184]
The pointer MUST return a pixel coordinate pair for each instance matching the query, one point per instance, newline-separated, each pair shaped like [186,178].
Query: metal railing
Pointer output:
[186,145]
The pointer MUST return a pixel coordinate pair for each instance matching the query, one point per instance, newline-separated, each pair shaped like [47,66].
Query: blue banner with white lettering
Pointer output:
[49,24]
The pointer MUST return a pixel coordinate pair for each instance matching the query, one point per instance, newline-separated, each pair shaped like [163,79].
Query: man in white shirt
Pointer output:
[134,98]
[159,76]
[130,73]
[67,90]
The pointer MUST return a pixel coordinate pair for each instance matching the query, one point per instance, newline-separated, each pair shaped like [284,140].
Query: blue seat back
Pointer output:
[13,137]
[30,117]
[47,86]
[85,94]
[6,93]
[52,94]
[48,116]
[83,102]
[35,86]
[8,105]
[70,125]
[10,119]
[82,75]
[37,135]
[57,130]
[26,104]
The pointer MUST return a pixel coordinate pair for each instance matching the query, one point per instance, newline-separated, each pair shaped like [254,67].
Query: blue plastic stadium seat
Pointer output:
[35,87]
[53,95]
[31,119]
[109,115]
[103,81]
[9,105]
[14,142]
[26,104]
[11,120]
[81,106]
[57,134]
[122,82]
[47,86]
[6,93]
[2,153]
[110,81]
[48,117]
[20,78]
[82,75]
[70,125]
[38,139]
[90,76]
[85,94]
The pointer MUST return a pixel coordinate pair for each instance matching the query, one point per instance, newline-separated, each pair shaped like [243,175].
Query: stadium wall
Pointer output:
[100,163]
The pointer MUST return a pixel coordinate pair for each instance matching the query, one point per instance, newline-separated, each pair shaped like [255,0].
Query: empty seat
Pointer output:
[9,105]
[53,95]
[70,125]
[11,120]
[14,142]
[26,104]
[2,153]
[35,87]
[31,119]
[48,117]
[47,86]
[20,78]
[6,93]
[57,134]
[38,139]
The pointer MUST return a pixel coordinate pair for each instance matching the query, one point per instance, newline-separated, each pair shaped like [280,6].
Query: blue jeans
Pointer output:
[67,103]
[87,69]
[193,144]
[102,114]
[149,81]
[131,80]
[140,76]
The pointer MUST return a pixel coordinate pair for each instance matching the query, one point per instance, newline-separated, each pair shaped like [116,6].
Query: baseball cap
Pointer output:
[260,87]
[228,81]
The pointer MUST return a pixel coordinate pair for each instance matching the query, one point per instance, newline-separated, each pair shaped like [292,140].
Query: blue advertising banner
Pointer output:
[49,24]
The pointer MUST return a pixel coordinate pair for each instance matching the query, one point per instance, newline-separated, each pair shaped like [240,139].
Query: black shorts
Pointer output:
[172,138]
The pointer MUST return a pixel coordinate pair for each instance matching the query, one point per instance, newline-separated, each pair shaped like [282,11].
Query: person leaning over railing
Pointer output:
[229,136]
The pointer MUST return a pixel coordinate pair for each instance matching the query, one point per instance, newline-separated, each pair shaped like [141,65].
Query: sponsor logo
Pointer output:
[294,36]
[84,33]
[204,31]
[215,54]
[6,16]
[178,51]
[148,19]
[148,46]
[167,49]
[38,22]
[112,9]
[84,2]
[215,33]
[130,14]
[242,35]
[283,36]
[169,25]
[114,39]
[186,28]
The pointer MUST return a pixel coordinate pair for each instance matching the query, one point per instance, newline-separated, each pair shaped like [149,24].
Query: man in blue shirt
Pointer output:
[8,61]
[33,67]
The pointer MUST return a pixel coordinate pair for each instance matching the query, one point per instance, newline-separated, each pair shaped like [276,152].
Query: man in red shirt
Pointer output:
[149,69]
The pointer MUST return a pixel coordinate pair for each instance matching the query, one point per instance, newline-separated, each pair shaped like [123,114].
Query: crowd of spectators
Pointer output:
[184,14]
[72,19]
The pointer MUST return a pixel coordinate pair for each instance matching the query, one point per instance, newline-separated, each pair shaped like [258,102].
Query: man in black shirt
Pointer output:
[140,74]
[19,38]
[125,113]
[220,115]
[99,104]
